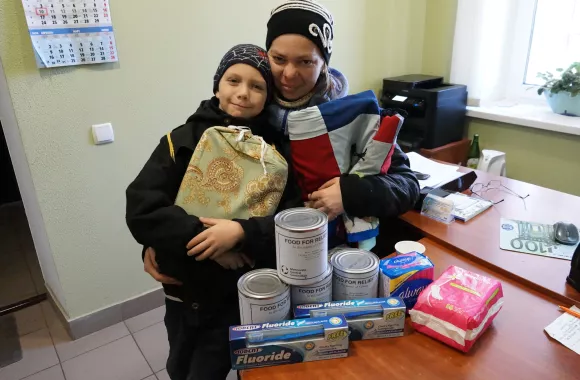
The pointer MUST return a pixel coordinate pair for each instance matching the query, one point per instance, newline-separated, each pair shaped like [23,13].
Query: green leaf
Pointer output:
[569,80]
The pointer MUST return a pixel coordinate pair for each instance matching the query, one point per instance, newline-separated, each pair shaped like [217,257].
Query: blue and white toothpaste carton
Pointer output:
[286,342]
[369,318]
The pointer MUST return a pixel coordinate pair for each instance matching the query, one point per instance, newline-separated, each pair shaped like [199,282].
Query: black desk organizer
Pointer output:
[574,277]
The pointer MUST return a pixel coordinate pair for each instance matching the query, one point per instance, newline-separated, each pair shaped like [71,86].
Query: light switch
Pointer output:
[103,133]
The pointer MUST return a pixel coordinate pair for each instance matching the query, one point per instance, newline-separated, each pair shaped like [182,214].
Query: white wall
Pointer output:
[167,57]
[393,41]
[27,191]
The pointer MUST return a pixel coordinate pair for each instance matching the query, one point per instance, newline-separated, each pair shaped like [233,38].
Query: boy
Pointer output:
[199,313]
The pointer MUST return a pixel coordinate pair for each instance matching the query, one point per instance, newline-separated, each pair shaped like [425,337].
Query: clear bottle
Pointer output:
[474,153]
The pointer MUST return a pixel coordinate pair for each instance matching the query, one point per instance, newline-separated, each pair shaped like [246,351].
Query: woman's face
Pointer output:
[296,64]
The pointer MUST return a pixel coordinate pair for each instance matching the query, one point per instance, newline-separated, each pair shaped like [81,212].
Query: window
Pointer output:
[500,46]
[555,41]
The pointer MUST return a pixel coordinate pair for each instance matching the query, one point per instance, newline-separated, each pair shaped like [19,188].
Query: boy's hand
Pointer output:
[233,260]
[219,238]
[151,267]
[328,199]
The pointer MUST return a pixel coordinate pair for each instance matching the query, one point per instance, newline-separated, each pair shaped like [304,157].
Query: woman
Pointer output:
[299,43]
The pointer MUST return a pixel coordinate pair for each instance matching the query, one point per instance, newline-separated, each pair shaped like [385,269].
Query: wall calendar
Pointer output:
[70,32]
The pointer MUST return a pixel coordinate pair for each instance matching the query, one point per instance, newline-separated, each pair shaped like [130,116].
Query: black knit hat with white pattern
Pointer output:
[249,54]
[306,18]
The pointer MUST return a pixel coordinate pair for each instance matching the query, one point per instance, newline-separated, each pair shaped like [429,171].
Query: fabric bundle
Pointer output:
[232,174]
[343,136]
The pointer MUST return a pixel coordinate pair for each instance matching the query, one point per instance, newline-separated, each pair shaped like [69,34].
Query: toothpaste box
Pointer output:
[369,318]
[405,276]
[286,342]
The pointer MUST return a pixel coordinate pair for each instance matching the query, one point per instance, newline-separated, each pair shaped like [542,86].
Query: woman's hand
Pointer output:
[233,260]
[151,267]
[328,199]
[221,237]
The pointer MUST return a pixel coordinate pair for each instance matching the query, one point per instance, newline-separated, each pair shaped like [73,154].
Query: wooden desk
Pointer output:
[514,347]
[478,239]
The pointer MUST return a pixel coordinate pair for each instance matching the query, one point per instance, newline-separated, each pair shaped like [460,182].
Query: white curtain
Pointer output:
[483,47]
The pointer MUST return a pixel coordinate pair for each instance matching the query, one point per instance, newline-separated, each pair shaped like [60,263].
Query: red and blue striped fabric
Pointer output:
[344,136]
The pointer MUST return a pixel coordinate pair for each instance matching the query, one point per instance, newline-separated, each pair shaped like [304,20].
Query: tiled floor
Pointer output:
[136,349]
[20,275]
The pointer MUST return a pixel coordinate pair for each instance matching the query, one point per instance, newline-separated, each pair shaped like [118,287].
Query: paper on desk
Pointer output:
[566,330]
[439,173]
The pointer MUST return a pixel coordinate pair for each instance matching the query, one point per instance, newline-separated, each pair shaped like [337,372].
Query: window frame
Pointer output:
[516,89]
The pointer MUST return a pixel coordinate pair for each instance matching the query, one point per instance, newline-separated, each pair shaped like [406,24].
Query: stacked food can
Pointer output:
[306,271]
[318,301]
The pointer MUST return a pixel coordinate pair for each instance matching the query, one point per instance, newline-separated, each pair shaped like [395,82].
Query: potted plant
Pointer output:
[562,91]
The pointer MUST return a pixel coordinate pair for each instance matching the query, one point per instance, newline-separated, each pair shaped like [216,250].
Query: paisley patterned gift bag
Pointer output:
[232,174]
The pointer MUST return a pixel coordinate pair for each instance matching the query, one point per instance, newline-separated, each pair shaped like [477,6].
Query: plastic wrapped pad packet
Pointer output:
[458,307]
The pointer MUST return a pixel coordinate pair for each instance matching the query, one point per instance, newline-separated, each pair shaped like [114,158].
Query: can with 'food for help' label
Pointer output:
[301,245]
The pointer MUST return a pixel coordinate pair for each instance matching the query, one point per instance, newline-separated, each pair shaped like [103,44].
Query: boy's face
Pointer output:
[242,91]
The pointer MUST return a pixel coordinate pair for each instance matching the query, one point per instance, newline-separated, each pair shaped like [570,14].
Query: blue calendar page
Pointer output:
[70,32]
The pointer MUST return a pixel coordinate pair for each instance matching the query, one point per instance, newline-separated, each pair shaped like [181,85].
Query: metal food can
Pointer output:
[356,274]
[336,249]
[301,245]
[263,297]
[316,293]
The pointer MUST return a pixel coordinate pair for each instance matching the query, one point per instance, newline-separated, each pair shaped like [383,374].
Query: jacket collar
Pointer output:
[209,114]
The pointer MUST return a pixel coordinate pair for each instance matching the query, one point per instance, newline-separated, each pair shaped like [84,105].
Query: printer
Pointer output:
[436,110]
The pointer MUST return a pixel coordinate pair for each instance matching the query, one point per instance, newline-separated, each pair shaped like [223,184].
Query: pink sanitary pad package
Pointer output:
[457,307]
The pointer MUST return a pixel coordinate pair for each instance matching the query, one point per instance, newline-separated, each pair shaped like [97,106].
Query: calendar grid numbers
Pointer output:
[71,32]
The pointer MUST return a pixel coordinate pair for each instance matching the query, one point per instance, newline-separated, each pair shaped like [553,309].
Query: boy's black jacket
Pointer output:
[155,221]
